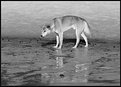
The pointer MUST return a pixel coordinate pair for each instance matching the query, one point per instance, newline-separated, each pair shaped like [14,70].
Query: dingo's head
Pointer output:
[45,30]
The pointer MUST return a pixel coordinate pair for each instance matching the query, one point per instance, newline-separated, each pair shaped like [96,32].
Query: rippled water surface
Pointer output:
[32,62]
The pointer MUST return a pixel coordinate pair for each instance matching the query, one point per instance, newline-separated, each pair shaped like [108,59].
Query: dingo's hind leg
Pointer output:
[61,40]
[85,38]
[77,39]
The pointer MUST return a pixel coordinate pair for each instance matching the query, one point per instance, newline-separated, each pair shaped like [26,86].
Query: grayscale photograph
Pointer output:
[60,43]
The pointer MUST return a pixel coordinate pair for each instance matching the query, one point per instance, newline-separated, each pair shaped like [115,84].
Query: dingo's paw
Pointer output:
[74,47]
[54,46]
[86,46]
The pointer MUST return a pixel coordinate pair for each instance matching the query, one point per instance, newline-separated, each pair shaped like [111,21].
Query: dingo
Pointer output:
[61,24]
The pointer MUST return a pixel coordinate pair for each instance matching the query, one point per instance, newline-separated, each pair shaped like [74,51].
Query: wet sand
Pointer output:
[34,62]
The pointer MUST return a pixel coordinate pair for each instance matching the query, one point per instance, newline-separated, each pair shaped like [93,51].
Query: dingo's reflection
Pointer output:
[59,58]
[82,66]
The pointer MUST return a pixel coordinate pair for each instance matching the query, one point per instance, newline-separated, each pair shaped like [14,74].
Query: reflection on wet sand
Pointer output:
[82,66]
[59,59]
[80,69]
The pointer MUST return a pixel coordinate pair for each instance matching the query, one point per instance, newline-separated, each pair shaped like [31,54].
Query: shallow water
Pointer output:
[33,62]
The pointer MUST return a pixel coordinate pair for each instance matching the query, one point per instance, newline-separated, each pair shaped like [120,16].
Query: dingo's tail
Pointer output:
[87,29]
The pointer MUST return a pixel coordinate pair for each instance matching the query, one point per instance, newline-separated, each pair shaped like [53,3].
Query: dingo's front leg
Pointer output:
[57,41]
[61,40]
